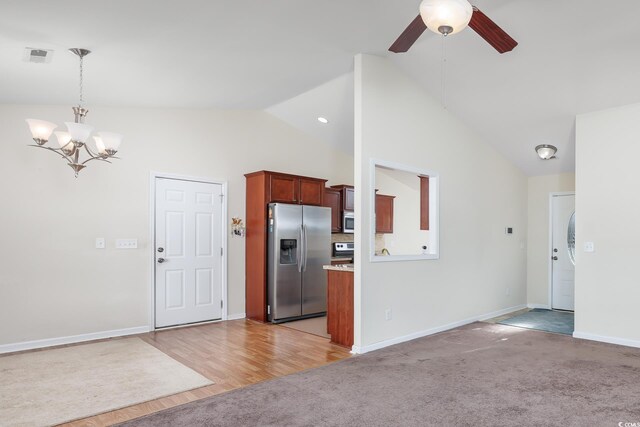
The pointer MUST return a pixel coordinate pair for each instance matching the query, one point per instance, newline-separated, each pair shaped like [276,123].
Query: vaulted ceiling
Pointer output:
[293,57]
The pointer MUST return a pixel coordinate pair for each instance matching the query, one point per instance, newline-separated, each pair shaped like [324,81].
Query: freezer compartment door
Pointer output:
[284,266]
[316,224]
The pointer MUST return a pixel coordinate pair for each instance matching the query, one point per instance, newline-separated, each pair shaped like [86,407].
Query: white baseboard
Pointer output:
[544,306]
[367,348]
[236,316]
[49,342]
[609,340]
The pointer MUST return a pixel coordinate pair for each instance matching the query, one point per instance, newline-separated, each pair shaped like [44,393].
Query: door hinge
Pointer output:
[221,251]
[221,304]
[221,198]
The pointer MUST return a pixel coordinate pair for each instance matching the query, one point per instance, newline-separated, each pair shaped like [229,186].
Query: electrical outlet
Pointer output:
[100,243]
[387,314]
[589,247]
[126,243]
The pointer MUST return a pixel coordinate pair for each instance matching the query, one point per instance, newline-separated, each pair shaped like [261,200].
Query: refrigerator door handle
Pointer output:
[306,248]
[299,250]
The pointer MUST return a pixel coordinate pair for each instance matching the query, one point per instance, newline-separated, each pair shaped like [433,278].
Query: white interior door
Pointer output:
[563,252]
[188,249]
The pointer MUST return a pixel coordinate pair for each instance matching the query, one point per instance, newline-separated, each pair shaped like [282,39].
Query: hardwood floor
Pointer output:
[233,354]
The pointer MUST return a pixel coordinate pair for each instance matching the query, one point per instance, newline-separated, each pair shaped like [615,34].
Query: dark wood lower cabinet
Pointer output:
[340,307]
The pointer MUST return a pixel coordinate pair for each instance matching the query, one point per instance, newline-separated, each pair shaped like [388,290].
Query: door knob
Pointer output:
[160,260]
[160,250]
[555,258]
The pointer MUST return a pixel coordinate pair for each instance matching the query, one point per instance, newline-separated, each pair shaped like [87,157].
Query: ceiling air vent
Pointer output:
[40,56]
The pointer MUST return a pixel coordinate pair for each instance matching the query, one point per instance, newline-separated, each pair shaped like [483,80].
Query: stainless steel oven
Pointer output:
[348,222]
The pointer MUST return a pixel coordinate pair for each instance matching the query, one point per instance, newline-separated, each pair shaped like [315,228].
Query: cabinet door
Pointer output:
[311,191]
[424,203]
[283,188]
[348,199]
[384,214]
[332,199]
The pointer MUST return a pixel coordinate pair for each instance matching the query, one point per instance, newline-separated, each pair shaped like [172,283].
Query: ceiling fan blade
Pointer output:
[409,36]
[489,30]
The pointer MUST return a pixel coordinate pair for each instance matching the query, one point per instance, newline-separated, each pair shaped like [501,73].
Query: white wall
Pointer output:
[53,282]
[538,233]
[481,193]
[607,213]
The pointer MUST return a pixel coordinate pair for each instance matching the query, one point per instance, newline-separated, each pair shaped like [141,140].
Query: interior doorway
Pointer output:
[189,240]
[563,249]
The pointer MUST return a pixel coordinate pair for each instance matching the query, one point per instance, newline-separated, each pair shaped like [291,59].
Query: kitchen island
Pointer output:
[340,303]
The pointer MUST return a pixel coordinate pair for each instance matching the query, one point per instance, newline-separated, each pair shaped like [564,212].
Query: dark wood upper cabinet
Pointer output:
[384,213]
[348,196]
[311,191]
[302,190]
[284,188]
[424,202]
[333,200]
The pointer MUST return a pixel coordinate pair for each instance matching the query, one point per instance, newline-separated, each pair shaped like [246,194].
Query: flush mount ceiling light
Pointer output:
[75,138]
[323,120]
[446,16]
[546,152]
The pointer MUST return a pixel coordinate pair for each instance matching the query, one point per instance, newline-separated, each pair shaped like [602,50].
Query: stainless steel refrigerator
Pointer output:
[299,245]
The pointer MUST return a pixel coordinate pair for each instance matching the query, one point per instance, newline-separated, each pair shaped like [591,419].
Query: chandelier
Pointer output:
[72,142]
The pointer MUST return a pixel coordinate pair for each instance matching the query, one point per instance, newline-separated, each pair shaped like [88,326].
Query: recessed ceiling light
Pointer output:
[323,120]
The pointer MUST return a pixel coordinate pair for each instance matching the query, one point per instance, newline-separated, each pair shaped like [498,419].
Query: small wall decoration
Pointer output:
[237,227]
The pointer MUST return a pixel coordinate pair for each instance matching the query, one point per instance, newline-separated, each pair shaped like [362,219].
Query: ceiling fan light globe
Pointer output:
[439,14]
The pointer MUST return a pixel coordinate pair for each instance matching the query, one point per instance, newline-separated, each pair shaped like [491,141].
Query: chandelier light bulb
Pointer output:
[64,141]
[111,141]
[446,16]
[79,131]
[100,145]
[41,130]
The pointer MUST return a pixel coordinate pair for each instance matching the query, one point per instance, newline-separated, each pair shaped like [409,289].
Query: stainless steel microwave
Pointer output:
[348,222]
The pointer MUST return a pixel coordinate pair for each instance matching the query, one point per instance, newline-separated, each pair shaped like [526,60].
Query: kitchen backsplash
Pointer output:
[341,237]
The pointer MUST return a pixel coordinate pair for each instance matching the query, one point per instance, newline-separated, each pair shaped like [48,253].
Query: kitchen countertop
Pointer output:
[347,268]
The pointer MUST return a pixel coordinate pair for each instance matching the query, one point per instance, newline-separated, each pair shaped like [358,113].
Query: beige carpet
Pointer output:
[53,386]
[479,375]
[315,326]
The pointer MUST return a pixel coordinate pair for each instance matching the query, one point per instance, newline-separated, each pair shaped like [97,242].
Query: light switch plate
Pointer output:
[589,247]
[126,243]
[100,243]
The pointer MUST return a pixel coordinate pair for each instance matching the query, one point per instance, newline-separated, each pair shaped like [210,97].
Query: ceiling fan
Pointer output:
[449,17]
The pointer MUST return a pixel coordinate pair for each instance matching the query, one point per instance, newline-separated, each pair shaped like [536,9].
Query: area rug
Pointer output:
[559,322]
[53,386]
[315,326]
[477,375]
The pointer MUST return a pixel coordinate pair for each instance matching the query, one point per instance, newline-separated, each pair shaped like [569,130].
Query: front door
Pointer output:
[188,252]
[563,252]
